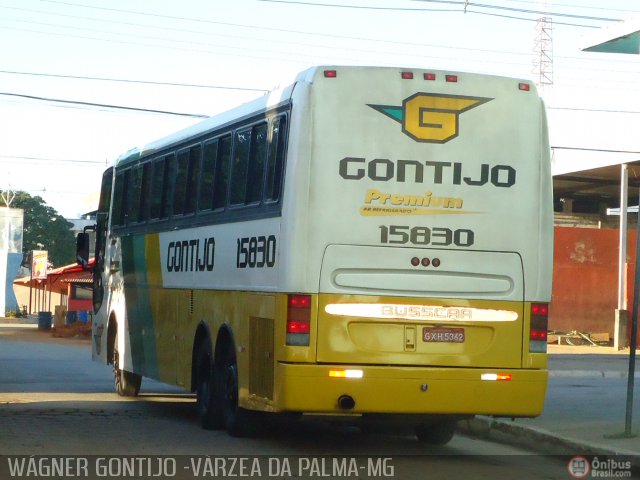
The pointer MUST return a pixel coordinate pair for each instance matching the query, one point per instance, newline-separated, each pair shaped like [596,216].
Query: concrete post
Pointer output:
[620,323]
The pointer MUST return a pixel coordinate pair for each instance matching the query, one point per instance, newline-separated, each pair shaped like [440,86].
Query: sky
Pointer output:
[66,65]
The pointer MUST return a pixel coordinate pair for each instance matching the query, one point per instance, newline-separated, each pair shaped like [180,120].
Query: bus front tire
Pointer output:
[127,384]
[209,416]
[437,433]
[238,421]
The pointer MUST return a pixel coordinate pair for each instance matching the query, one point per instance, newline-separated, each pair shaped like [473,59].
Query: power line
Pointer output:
[145,37]
[585,7]
[603,110]
[255,27]
[464,4]
[364,7]
[519,10]
[323,34]
[45,159]
[190,50]
[511,17]
[261,57]
[540,12]
[603,150]
[148,82]
[207,33]
[447,2]
[102,105]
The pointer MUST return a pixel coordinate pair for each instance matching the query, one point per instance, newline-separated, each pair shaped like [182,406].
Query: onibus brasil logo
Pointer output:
[431,117]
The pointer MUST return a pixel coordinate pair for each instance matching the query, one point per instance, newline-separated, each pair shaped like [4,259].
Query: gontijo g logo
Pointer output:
[431,117]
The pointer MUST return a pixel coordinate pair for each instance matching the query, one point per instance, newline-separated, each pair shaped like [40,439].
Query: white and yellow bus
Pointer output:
[364,243]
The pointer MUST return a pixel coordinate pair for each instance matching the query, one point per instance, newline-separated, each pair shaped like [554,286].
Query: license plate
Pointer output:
[444,335]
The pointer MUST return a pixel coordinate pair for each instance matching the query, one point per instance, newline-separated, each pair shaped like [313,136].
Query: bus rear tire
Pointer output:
[238,421]
[127,384]
[436,433]
[208,410]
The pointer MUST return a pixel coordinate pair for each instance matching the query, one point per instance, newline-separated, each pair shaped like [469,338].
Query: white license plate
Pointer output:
[443,335]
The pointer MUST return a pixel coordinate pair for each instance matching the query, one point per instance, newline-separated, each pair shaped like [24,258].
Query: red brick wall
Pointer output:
[585,279]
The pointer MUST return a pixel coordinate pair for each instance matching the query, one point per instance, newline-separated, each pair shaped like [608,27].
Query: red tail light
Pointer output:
[538,323]
[298,319]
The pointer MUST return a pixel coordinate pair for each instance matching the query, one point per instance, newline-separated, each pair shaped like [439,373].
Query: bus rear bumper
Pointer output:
[410,390]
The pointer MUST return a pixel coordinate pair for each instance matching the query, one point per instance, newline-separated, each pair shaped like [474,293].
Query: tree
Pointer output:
[45,229]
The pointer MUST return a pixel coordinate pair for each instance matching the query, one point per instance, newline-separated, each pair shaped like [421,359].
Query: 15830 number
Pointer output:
[441,237]
[256,252]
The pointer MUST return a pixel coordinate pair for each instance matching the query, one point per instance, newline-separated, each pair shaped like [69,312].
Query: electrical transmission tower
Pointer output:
[543,51]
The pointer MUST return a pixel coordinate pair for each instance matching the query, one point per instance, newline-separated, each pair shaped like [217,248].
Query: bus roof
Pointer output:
[275,98]
[252,107]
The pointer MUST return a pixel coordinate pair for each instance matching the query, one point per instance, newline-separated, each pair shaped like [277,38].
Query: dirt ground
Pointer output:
[28,332]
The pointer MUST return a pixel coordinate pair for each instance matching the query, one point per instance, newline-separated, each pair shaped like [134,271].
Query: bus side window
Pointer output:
[205,202]
[145,186]
[127,196]
[180,190]
[275,164]
[118,200]
[133,210]
[105,191]
[223,165]
[157,182]
[168,185]
[241,144]
[193,175]
[257,160]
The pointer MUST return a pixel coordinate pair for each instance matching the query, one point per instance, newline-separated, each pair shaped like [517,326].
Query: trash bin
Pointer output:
[83,317]
[44,320]
[71,317]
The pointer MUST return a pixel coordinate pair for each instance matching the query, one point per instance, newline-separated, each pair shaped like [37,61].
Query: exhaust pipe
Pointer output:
[346,402]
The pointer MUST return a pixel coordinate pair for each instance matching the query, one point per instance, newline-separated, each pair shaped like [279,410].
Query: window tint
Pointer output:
[241,167]
[135,188]
[275,165]
[205,202]
[241,147]
[168,185]
[257,159]
[193,175]
[223,166]
[145,188]
[118,202]
[180,189]
[105,191]
[247,174]
[157,183]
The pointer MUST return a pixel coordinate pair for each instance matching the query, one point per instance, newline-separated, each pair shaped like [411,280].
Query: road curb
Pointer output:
[591,374]
[539,440]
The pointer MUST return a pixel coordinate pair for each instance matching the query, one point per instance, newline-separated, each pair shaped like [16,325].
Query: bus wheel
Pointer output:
[437,433]
[127,384]
[209,416]
[237,420]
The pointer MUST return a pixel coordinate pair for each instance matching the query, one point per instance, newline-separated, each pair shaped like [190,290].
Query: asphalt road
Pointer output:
[55,401]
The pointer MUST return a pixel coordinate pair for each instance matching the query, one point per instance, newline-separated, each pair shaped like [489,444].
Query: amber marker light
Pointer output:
[495,377]
[340,373]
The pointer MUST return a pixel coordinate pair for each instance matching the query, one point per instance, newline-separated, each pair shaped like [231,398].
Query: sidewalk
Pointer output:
[584,410]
